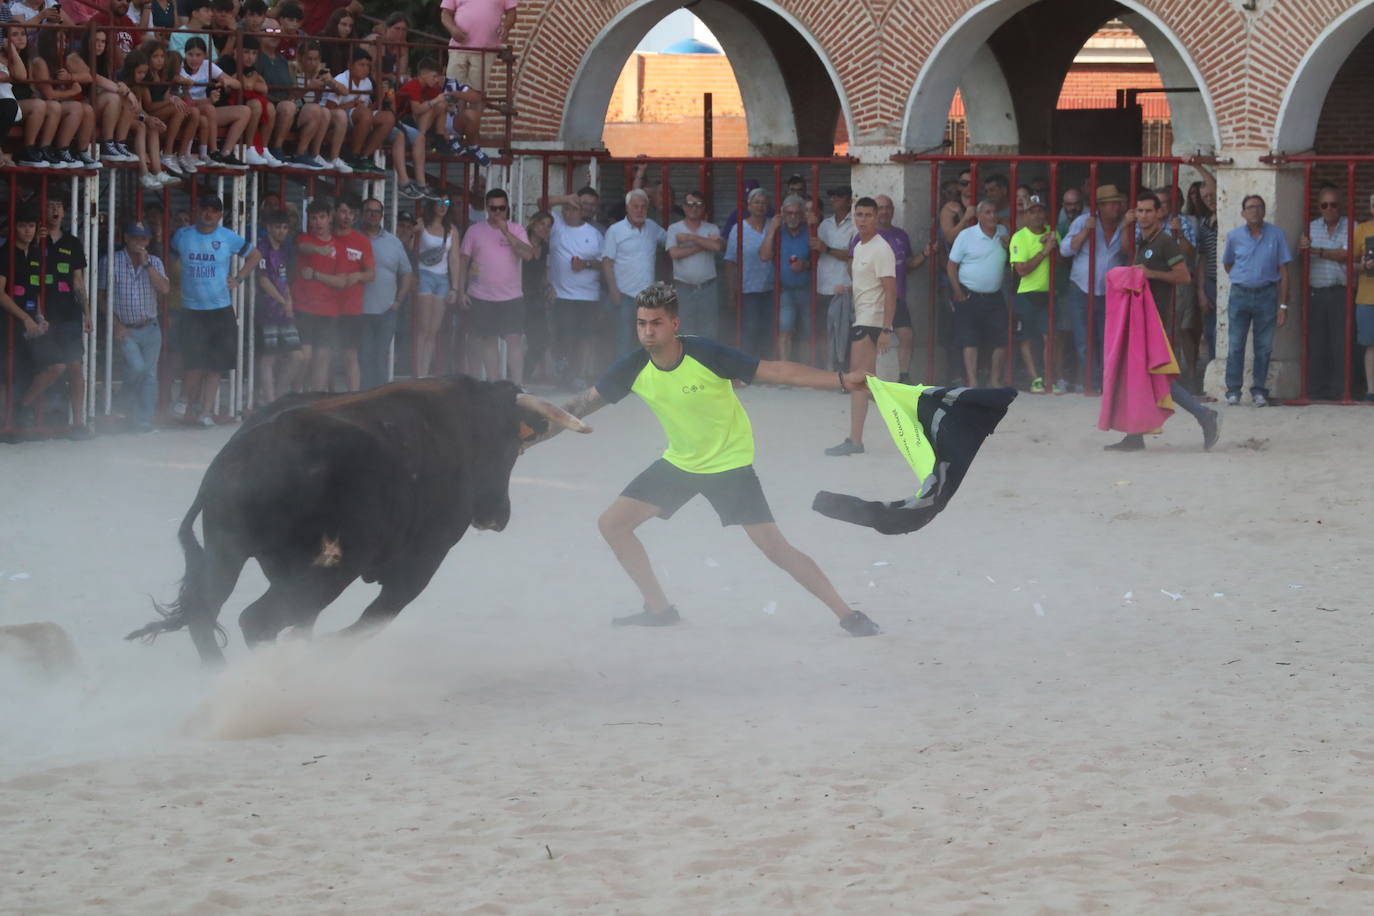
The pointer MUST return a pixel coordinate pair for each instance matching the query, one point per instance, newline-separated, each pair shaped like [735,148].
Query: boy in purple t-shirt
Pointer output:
[489,286]
[280,358]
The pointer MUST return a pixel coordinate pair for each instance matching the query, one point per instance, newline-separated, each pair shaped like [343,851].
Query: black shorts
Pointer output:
[348,332]
[981,321]
[902,317]
[62,342]
[859,331]
[209,339]
[576,319]
[496,319]
[317,330]
[736,495]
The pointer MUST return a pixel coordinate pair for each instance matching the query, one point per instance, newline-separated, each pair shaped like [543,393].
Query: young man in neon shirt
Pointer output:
[688,384]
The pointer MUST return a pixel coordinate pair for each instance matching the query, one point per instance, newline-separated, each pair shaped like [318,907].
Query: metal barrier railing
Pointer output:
[1337,171]
[1057,174]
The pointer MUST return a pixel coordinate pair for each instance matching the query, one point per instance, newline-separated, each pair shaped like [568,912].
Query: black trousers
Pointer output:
[1326,343]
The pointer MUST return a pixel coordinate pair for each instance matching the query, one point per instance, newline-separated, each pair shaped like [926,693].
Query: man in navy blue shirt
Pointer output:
[1256,259]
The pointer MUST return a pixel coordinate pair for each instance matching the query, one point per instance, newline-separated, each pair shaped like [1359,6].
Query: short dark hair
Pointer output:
[222,6]
[28,213]
[248,43]
[1149,197]
[1245,202]
[196,5]
[865,202]
[695,193]
[361,54]
[495,193]
[291,10]
[278,218]
[321,204]
[660,295]
[999,180]
[194,44]
[427,65]
[351,201]
[588,189]
[254,8]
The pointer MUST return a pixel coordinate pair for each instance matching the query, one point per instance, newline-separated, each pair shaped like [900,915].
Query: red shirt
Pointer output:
[125,40]
[354,255]
[414,92]
[317,13]
[312,296]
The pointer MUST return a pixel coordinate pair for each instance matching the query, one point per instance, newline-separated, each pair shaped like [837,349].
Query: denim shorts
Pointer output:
[1364,325]
[410,130]
[432,284]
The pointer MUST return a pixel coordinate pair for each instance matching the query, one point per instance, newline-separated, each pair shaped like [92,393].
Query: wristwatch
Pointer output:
[889,331]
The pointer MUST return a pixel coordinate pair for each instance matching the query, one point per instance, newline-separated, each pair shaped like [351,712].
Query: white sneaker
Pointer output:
[170,164]
[151,182]
[254,158]
[167,178]
[189,164]
[179,409]
[272,161]
[203,160]
[343,168]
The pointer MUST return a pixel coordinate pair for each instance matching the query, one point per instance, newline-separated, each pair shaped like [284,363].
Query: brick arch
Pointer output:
[933,83]
[1300,109]
[563,93]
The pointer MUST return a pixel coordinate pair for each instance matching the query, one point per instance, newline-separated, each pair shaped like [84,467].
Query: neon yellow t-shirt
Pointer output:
[707,428]
[1025,245]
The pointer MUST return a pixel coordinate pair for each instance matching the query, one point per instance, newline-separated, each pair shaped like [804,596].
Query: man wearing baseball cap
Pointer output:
[139,278]
[1032,247]
[210,331]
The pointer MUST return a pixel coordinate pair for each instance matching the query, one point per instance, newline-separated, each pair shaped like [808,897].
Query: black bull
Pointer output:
[322,490]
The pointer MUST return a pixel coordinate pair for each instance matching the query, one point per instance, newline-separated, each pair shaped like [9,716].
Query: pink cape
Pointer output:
[1138,364]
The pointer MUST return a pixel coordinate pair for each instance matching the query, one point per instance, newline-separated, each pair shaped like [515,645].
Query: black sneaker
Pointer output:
[1211,429]
[847,447]
[1132,443]
[856,623]
[33,158]
[411,191]
[55,159]
[66,160]
[228,161]
[647,618]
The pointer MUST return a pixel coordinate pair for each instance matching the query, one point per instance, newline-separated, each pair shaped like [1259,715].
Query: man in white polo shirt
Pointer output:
[831,247]
[574,272]
[692,243]
[874,272]
[977,268]
[628,259]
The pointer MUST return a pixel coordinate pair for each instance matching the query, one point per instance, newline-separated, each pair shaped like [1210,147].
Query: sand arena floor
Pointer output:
[1125,683]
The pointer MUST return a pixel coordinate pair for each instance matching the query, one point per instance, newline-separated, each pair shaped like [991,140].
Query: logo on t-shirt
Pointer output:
[215,245]
[353,254]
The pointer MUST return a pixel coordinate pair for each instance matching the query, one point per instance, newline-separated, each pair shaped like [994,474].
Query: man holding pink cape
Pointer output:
[1140,375]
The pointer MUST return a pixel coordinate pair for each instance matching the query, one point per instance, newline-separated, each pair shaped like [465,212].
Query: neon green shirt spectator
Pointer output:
[1026,245]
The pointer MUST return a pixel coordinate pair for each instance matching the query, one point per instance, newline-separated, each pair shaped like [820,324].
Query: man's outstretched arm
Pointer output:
[588,402]
[777,372]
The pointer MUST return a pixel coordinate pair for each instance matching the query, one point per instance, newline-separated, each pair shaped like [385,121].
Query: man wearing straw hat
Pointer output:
[1096,238]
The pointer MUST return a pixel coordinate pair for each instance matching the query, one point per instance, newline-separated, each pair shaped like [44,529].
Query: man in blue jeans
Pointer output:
[139,278]
[1096,241]
[1256,259]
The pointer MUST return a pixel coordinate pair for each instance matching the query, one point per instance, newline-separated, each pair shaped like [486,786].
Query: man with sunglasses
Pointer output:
[493,302]
[1328,240]
[1256,259]
[692,243]
[382,298]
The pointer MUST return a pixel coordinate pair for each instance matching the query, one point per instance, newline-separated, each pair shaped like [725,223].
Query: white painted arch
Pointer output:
[955,59]
[771,124]
[1301,108]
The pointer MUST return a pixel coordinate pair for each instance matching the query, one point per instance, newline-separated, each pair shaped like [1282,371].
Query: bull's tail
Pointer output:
[175,614]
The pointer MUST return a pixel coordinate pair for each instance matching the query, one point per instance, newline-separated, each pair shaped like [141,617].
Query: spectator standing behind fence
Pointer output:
[474,24]
[874,271]
[314,292]
[692,243]
[789,238]
[750,273]
[1106,252]
[1328,239]
[1364,298]
[489,287]
[831,246]
[907,261]
[628,260]
[357,268]
[209,331]
[437,259]
[575,246]
[139,278]
[68,309]
[1256,259]
[538,295]
[277,342]
[1206,280]
[1031,249]
[976,268]
[24,299]
[391,285]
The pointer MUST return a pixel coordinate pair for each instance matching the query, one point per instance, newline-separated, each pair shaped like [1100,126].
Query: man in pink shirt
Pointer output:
[493,301]
[474,24]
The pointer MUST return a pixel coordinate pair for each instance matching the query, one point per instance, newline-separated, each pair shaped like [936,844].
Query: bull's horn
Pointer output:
[551,412]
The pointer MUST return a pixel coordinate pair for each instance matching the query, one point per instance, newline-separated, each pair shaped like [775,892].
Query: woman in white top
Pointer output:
[204,84]
[437,256]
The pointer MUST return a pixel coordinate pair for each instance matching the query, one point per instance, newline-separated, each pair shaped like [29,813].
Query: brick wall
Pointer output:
[1245,58]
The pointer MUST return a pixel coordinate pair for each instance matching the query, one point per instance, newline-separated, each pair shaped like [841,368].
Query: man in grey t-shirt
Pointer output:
[382,297]
[693,243]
